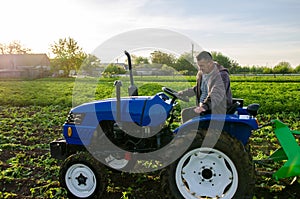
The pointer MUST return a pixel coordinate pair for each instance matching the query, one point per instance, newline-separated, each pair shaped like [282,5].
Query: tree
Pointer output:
[14,47]
[140,60]
[297,69]
[68,55]
[184,64]
[221,59]
[167,70]
[158,57]
[225,61]
[113,69]
[236,69]
[90,63]
[267,70]
[256,69]
[283,68]
[2,48]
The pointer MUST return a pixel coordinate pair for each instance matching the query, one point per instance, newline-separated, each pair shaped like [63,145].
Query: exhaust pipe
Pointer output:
[132,89]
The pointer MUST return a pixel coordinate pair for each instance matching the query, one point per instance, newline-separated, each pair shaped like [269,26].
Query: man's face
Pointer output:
[205,66]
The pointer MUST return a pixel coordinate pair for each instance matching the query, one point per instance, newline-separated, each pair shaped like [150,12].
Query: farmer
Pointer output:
[212,90]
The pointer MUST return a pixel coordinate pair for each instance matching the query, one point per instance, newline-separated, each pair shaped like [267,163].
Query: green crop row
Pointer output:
[42,92]
[272,96]
[26,168]
[32,114]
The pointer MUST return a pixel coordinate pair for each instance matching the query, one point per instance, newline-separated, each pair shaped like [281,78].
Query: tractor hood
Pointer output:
[142,110]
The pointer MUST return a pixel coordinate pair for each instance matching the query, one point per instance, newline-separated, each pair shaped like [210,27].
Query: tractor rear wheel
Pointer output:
[224,171]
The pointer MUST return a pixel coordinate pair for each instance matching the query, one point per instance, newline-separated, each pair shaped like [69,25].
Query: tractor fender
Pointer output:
[238,126]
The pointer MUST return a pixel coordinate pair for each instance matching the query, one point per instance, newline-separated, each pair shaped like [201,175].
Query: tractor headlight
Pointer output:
[75,118]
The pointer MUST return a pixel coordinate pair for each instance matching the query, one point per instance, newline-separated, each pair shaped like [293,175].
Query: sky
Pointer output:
[257,32]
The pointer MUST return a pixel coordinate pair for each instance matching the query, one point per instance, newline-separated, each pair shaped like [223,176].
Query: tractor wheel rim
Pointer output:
[206,172]
[81,180]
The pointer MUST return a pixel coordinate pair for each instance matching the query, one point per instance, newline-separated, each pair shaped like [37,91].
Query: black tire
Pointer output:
[82,176]
[229,149]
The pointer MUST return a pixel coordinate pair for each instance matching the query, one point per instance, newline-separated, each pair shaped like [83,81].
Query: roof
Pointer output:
[10,61]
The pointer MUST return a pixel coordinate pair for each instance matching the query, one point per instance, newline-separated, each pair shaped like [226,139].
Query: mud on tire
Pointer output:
[224,171]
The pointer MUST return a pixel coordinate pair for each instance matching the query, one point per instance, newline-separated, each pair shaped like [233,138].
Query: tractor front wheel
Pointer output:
[82,176]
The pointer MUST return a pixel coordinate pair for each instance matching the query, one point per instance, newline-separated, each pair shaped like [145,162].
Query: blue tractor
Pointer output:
[117,133]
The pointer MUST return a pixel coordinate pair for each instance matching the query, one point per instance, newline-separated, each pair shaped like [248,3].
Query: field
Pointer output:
[32,114]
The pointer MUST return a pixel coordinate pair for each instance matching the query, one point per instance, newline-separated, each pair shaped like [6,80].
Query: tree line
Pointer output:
[68,55]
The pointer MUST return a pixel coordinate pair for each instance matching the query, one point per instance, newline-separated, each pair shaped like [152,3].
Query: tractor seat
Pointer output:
[237,102]
[233,107]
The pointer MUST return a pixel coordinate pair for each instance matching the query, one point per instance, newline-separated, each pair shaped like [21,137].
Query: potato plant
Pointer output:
[32,114]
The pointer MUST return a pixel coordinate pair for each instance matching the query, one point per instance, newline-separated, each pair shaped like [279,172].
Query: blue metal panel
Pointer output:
[239,126]
[156,112]
[141,110]
[81,135]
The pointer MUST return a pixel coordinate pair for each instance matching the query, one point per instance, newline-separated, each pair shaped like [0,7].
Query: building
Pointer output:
[28,66]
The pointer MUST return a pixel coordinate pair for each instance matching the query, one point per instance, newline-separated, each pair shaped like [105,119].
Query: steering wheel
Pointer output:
[175,94]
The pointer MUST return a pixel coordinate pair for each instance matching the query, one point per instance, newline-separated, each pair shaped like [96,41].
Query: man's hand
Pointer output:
[199,109]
